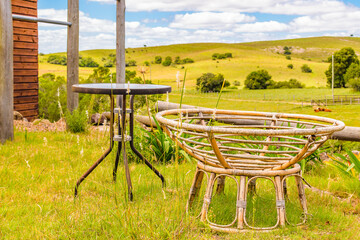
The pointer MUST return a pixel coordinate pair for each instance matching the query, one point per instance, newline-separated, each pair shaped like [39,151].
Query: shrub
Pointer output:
[342,61]
[306,69]
[228,55]
[147,63]
[236,83]
[131,63]
[210,82]
[292,83]
[287,50]
[290,66]
[158,59]
[52,96]
[352,76]
[77,121]
[288,57]
[57,59]
[260,79]
[87,62]
[187,60]
[167,62]
[177,60]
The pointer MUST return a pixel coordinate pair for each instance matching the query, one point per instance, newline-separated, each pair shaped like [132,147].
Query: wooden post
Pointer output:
[120,43]
[73,54]
[6,72]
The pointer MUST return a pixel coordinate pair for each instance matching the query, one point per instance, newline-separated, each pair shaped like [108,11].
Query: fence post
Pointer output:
[120,42]
[73,54]
[6,72]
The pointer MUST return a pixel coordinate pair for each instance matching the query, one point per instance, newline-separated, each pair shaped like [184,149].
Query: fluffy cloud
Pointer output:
[210,20]
[287,7]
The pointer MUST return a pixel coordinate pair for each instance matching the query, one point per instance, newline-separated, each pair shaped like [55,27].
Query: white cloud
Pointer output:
[286,7]
[261,27]
[210,20]
[337,21]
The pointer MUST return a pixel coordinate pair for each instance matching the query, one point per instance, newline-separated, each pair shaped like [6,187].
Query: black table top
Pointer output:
[121,88]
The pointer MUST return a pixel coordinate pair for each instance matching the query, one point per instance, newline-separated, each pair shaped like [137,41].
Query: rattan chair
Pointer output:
[269,149]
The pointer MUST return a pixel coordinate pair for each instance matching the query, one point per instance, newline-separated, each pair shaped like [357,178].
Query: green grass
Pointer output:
[247,57]
[38,172]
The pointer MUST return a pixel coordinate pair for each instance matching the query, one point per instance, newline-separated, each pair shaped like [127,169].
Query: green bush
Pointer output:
[52,96]
[221,56]
[158,59]
[236,83]
[210,82]
[87,62]
[147,63]
[290,66]
[187,60]
[57,59]
[292,83]
[306,69]
[352,76]
[77,121]
[131,63]
[287,50]
[342,61]
[260,79]
[228,55]
[167,62]
[177,60]
[288,57]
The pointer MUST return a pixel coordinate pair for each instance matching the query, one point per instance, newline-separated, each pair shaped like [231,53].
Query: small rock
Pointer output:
[97,119]
[18,116]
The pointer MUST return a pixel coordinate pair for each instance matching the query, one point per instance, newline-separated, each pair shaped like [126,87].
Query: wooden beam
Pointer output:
[120,43]
[6,72]
[73,54]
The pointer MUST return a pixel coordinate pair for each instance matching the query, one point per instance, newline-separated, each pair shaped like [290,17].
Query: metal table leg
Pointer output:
[133,147]
[82,178]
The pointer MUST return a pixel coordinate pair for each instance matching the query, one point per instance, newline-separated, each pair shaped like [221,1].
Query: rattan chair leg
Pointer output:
[220,184]
[280,201]
[195,187]
[207,197]
[301,191]
[241,202]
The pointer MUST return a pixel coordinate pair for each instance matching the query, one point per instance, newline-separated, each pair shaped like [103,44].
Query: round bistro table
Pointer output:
[122,89]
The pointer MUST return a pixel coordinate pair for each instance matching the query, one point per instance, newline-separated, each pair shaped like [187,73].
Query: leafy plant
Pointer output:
[209,82]
[348,165]
[260,79]
[87,62]
[77,121]
[306,69]
[162,146]
[57,59]
[167,62]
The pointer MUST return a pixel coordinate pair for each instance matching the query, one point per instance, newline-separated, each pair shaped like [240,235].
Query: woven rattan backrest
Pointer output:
[271,140]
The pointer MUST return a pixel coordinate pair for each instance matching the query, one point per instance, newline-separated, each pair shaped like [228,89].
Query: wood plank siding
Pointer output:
[26,66]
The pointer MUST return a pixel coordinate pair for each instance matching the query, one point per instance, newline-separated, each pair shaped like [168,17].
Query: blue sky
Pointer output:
[163,22]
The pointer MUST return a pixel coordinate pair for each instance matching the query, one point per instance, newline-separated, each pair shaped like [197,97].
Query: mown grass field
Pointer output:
[39,171]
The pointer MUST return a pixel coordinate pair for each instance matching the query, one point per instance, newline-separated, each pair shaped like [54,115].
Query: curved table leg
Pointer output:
[82,178]
[133,147]
[119,147]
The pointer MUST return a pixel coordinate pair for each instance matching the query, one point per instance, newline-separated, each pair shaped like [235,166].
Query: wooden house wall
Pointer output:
[26,84]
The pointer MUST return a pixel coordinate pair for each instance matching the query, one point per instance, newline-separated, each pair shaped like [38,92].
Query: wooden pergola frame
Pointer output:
[6,60]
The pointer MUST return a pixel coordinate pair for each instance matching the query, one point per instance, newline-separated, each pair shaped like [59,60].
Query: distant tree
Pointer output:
[352,76]
[209,82]
[290,66]
[158,59]
[288,57]
[228,55]
[131,63]
[167,62]
[260,79]
[236,83]
[292,83]
[57,59]
[287,50]
[147,63]
[177,60]
[306,69]
[342,61]
[87,62]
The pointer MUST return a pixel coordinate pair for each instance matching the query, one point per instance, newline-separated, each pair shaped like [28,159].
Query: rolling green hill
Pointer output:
[247,57]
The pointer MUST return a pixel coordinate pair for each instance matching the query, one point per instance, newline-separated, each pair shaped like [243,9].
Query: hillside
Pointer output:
[247,57]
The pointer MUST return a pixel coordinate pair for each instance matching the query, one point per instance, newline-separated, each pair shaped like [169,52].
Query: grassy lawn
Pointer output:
[38,172]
